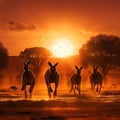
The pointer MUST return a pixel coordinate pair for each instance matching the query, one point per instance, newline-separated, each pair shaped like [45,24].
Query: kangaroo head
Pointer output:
[52,67]
[95,69]
[26,65]
[78,69]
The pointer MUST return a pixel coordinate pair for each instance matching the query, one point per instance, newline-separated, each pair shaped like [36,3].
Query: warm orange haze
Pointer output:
[59,59]
[40,23]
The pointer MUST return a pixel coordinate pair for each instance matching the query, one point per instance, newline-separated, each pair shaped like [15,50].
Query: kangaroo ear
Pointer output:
[24,63]
[76,67]
[81,67]
[49,63]
[56,64]
[28,63]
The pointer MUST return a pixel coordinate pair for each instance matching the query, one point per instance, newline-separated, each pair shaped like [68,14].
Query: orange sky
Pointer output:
[28,23]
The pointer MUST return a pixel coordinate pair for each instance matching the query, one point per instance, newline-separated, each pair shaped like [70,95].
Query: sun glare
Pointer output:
[62,48]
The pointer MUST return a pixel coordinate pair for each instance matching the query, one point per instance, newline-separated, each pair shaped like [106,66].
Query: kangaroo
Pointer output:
[96,79]
[28,78]
[76,80]
[13,88]
[52,76]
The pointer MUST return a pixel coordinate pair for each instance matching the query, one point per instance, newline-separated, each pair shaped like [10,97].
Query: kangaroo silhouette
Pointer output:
[13,88]
[76,80]
[28,78]
[52,76]
[96,79]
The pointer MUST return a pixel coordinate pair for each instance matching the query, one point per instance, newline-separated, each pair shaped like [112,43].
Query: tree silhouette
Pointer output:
[3,56]
[36,55]
[102,50]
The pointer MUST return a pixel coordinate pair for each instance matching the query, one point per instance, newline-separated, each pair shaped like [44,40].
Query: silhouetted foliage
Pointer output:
[3,56]
[102,50]
[36,55]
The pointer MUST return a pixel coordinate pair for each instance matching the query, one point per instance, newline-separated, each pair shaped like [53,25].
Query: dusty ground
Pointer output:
[66,106]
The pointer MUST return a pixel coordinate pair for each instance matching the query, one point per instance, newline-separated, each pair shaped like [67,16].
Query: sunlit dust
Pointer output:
[62,48]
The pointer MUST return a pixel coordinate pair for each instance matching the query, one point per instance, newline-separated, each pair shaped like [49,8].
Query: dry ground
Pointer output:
[65,106]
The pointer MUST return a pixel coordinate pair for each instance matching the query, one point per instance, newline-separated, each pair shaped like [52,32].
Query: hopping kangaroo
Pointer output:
[76,80]
[96,79]
[52,76]
[28,78]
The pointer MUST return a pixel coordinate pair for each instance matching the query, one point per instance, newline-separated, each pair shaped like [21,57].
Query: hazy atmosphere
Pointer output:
[28,23]
[59,59]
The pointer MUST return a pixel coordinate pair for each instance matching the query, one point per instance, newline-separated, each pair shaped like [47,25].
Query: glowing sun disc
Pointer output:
[62,48]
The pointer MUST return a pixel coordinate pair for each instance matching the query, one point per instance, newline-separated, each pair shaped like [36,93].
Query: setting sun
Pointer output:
[62,48]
